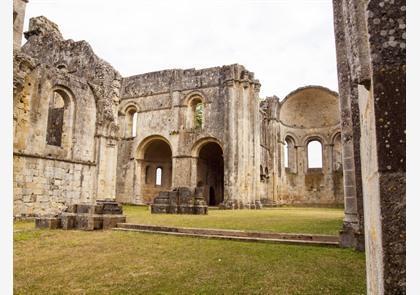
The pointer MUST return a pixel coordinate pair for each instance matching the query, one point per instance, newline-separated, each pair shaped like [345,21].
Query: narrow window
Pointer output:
[198,115]
[286,155]
[55,120]
[14,16]
[195,118]
[134,127]
[159,176]
[314,154]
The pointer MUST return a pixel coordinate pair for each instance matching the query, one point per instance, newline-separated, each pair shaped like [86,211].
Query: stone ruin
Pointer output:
[104,214]
[55,163]
[181,200]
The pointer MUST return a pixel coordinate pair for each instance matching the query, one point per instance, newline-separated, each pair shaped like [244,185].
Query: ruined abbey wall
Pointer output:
[64,123]
[287,127]
[164,103]
[83,132]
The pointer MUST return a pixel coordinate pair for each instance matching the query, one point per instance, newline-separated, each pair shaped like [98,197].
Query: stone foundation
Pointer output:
[181,200]
[105,214]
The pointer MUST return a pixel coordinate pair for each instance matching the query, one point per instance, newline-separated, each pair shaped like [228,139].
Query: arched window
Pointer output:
[55,126]
[261,173]
[158,176]
[134,128]
[314,154]
[196,113]
[131,122]
[290,155]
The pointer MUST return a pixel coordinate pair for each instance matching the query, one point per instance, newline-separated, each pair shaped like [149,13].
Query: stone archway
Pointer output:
[154,161]
[210,172]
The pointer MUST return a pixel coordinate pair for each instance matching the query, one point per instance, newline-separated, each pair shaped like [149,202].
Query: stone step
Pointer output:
[251,236]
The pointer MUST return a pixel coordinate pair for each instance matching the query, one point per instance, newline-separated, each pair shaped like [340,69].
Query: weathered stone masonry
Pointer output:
[371,42]
[83,132]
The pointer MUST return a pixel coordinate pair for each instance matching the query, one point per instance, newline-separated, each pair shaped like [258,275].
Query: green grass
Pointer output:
[110,262]
[285,219]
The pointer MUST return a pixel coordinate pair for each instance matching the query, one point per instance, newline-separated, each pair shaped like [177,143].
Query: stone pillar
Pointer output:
[107,167]
[19,7]
[257,148]
[194,167]
[351,234]
[230,138]
[375,62]
[181,171]
[138,179]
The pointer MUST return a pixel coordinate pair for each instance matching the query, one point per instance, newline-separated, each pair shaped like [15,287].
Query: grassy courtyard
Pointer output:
[283,219]
[111,262]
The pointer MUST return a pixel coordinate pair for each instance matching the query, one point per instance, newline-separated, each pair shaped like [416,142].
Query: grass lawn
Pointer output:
[111,262]
[284,219]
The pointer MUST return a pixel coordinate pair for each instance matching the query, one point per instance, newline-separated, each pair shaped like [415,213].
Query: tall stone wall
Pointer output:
[371,37]
[306,114]
[110,124]
[163,102]
[65,123]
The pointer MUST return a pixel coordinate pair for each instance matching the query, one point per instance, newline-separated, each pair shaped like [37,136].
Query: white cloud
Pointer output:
[287,44]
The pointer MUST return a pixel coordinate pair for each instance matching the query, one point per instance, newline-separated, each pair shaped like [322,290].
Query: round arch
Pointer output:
[144,144]
[127,106]
[66,93]
[308,138]
[195,150]
[189,97]
[208,169]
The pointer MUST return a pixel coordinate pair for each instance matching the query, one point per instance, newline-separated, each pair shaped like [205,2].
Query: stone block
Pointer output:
[68,220]
[71,208]
[84,208]
[48,222]
[95,221]
[110,221]
[82,221]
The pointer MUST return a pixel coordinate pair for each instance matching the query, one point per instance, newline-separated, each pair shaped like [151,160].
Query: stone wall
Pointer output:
[65,122]
[164,103]
[371,38]
[113,124]
[306,114]
[43,186]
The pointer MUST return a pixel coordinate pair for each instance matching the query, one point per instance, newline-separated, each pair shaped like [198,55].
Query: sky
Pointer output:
[286,43]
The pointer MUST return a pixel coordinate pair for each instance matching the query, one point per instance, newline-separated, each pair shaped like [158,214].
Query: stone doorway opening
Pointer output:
[210,170]
[157,167]
[212,197]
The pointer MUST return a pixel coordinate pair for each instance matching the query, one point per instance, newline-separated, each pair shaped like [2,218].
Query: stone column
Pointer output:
[138,180]
[351,234]
[19,7]
[257,148]
[107,167]
[374,64]
[181,171]
[230,138]
[194,167]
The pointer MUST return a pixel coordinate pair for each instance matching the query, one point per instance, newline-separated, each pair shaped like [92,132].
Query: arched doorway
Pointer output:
[210,172]
[157,167]
[212,197]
